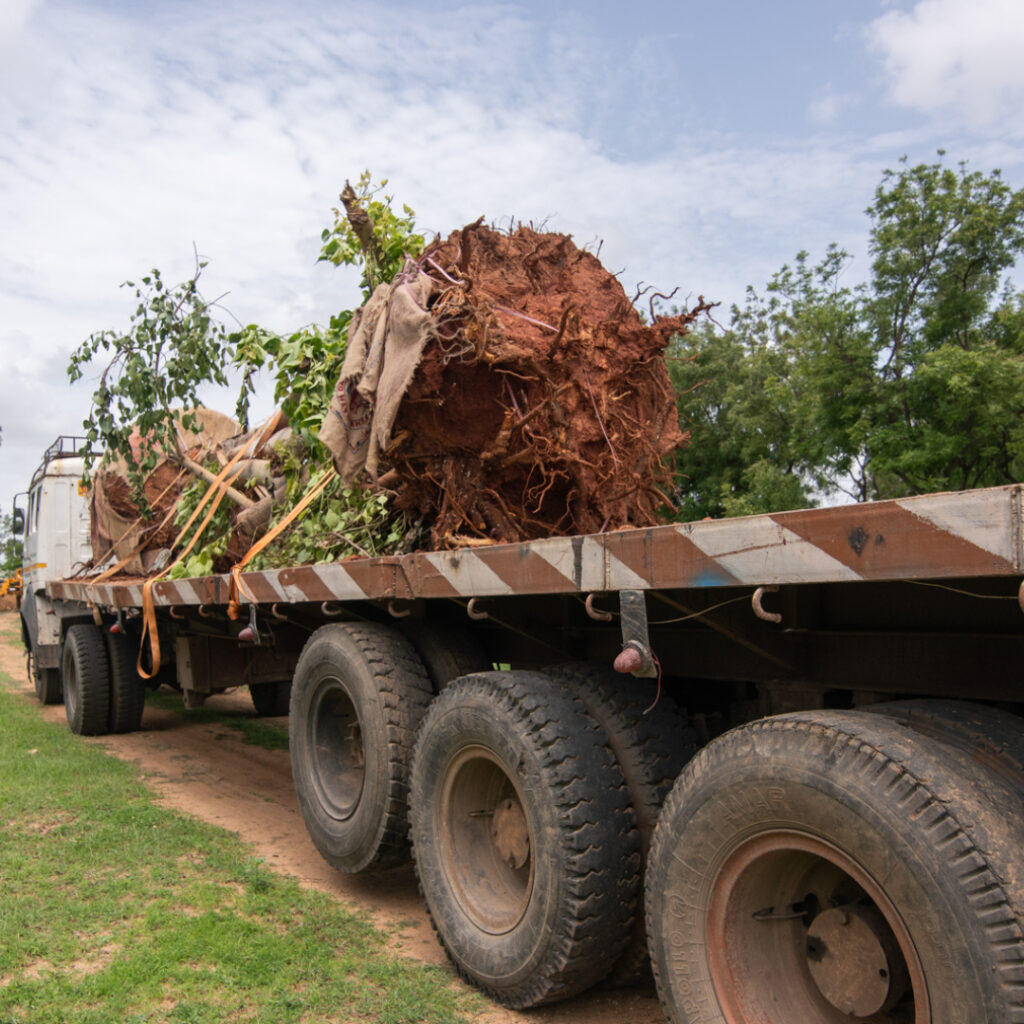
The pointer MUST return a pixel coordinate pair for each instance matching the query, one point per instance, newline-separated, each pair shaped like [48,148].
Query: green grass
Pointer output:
[116,910]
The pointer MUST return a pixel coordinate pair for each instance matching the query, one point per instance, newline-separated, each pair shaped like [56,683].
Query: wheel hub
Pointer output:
[336,743]
[849,960]
[485,840]
[510,832]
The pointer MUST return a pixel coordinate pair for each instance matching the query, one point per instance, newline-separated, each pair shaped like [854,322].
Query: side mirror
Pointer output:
[17,521]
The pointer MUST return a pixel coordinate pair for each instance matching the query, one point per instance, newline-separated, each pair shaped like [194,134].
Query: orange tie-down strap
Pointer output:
[214,496]
[237,586]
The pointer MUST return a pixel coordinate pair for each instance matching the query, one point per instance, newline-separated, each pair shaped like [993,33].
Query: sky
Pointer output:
[700,145]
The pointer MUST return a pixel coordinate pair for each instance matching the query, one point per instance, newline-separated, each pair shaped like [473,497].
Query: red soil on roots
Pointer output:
[544,406]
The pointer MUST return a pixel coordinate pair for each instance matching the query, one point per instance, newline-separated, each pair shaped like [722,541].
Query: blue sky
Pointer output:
[703,144]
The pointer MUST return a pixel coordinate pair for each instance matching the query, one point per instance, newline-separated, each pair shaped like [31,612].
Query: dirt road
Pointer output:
[206,770]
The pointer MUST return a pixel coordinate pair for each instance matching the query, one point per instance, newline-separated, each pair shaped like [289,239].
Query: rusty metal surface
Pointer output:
[962,534]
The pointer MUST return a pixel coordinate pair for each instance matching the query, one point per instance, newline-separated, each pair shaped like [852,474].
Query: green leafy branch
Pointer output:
[368,232]
[173,347]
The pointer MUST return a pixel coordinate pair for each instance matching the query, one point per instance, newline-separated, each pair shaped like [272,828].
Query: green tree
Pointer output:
[949,383]
[910,382]
[10,547]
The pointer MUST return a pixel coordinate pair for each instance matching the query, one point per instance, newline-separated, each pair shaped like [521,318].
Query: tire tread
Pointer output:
[404,692]
[127,687]
[652,742]
[84,644]
[597,834]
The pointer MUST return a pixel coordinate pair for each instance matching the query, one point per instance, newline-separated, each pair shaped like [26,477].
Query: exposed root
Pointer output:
[544,406]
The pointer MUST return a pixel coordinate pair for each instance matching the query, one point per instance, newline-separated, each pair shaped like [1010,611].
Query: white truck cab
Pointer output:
[56,544]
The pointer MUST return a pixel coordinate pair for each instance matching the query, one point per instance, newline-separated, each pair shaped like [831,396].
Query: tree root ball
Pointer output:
[544,405]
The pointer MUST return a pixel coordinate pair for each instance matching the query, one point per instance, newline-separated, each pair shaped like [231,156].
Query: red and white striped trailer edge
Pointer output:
[811,759]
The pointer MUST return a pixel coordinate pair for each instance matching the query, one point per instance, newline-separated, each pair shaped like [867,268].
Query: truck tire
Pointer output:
[993,737]
[85,679]
[652,742]
[271,699]
[446,651]
[827,866]
[127,687]
[358,697]
[47,684]
[524,839]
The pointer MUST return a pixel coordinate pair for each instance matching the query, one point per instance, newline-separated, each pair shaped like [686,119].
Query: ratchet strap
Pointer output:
[214,496]
[237,585]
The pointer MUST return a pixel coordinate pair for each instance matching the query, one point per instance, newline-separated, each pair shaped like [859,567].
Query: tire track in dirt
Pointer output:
[208,771]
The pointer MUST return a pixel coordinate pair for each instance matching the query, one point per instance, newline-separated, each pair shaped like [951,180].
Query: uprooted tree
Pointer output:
[521,395]
[534,399]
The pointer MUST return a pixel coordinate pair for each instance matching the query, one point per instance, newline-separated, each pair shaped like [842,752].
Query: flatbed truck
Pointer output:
[778,758]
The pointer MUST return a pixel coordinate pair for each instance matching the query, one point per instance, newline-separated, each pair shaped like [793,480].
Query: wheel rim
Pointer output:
[797,930]
[486,843]
[336,743]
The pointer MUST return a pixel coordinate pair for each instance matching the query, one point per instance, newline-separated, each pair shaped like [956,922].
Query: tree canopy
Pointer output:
[911,381]
[10,546]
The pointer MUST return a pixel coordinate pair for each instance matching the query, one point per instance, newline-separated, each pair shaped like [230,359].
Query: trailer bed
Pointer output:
[936,536]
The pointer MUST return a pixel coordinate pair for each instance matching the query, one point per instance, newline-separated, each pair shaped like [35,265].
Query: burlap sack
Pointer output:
[385,344]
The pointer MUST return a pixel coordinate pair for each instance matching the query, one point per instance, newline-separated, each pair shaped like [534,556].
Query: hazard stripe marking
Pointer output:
[759,551]
[469,575]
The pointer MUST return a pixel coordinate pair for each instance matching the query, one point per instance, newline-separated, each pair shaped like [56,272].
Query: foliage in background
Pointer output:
[10,547]
[912,381]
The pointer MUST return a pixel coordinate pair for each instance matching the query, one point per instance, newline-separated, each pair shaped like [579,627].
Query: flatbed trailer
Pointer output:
[780,758]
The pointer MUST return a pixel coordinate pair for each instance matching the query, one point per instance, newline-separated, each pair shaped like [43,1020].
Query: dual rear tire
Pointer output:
[522,825]
[103,692]
[829,866]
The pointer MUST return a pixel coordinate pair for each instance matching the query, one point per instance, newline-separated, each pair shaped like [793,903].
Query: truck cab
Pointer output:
[56,544]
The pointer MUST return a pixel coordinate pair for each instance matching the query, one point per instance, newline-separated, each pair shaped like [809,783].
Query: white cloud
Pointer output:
[13,16]
[828,107]
[127,137]
[956,59]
